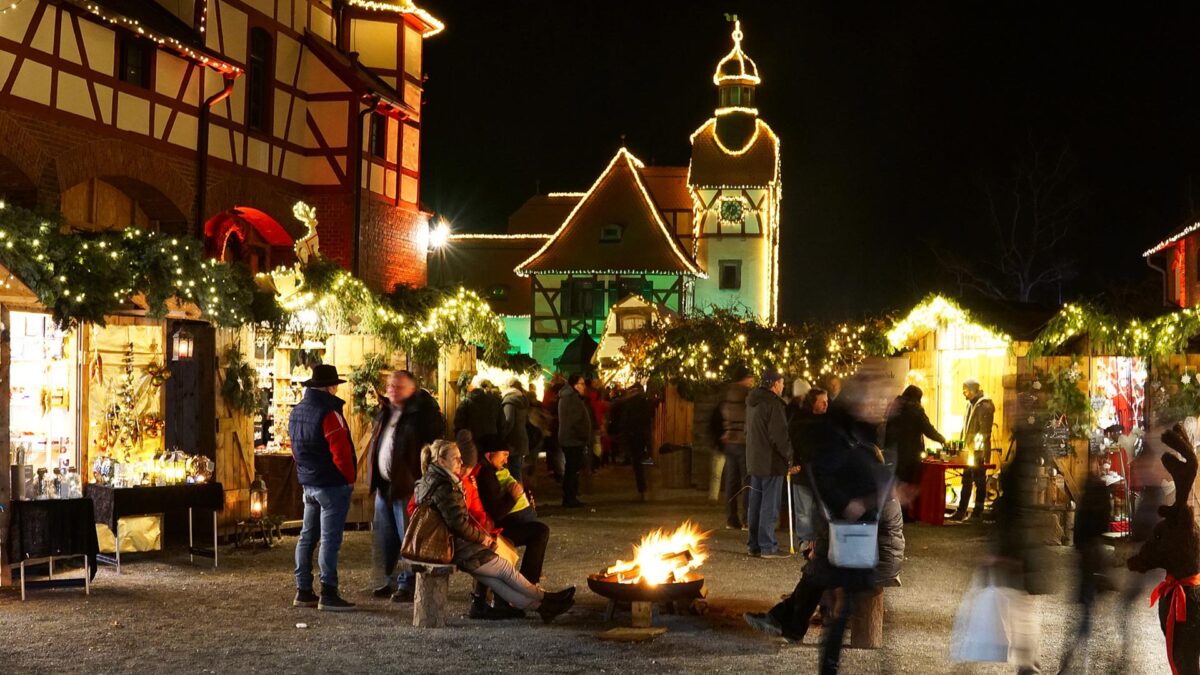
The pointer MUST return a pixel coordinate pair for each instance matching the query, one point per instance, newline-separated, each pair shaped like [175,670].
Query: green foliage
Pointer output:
[1175,395]
[240,389]
[702,352]
[1057,393]
[366,380]
[1109,334]
[84,277]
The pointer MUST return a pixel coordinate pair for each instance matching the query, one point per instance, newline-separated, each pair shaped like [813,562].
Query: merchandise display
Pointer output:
[44,380]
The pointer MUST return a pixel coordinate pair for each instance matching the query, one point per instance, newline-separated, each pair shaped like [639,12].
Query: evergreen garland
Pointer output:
[240,389]
[365,382]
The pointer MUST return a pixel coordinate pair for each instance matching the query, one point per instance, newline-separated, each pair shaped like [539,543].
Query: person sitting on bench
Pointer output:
[473,554]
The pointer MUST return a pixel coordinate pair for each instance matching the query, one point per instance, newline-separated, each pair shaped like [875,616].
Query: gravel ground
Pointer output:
[165,615]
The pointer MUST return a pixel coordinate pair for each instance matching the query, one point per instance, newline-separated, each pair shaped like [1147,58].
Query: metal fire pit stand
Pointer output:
[642,598]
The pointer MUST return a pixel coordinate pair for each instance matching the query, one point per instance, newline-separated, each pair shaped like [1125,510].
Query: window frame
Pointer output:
[260,95]
[722,265]
[146,52]
[377,136]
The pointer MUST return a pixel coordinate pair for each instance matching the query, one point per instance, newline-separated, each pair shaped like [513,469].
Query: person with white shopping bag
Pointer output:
[845,474]
[998,620]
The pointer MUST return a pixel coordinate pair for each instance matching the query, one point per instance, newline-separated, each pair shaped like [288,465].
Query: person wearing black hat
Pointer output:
[768,459]
[730,429]
[326,468]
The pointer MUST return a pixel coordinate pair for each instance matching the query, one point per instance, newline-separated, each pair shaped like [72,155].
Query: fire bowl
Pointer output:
[643,592]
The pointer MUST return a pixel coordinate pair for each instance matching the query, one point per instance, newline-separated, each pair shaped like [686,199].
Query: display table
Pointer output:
[930,506]
[112,504]
[278,471]
[46,530]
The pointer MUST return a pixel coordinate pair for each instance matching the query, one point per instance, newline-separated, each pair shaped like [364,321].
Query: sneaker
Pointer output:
[403,594]
[775,554]
[305,599]
[763,623]
[384,591]
[733,526]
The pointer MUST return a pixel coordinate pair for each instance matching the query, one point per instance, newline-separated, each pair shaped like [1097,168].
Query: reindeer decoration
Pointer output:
[1175,547]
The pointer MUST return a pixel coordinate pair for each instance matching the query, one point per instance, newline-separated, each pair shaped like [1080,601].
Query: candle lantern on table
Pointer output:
[258,498]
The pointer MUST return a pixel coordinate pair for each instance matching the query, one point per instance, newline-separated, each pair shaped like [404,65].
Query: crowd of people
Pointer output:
[835,453]
[480,484]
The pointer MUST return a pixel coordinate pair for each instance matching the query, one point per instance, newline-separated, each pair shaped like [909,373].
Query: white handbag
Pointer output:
[852,544]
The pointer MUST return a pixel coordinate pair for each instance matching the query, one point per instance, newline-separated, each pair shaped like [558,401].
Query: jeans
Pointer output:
[509,586]
[803,506]
[975,476]
[734,482]
[390,521]
[325,510]
[762,513]
[574,463]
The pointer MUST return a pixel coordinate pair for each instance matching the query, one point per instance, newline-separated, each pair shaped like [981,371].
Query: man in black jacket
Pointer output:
[408,420]
[509,508]
[480,411]
[768,460]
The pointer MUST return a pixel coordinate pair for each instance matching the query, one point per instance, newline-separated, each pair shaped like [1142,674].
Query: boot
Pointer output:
[305,599]
[552,606]
[479,607]
[507,611]
[332,602]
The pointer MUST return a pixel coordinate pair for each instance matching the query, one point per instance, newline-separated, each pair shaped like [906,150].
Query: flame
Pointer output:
[664,557]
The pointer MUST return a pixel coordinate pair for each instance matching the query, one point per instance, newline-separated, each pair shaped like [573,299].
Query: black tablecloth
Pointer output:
[112,504]
[285,498]
[47,527]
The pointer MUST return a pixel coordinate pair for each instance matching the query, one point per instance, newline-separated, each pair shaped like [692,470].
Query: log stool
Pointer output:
[432,596]
[866,622]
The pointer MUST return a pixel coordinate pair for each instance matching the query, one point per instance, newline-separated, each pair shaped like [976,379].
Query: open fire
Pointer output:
[662,558]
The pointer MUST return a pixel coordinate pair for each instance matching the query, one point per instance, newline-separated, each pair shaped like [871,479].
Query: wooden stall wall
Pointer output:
[673,426]
[234,443]
[452,362]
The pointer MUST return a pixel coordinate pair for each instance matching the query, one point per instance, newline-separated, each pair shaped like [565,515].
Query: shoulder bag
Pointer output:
[852,544]
[427,539]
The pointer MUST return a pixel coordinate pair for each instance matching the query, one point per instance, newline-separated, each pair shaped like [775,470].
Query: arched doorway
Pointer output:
[115,203]
[248,235]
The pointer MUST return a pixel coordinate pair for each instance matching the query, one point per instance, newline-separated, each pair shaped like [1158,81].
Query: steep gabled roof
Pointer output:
[714,164]
[1170,241]
[360,79]
[618,197]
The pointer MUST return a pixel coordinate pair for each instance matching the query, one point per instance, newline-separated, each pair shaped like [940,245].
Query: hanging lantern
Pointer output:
[258,498]
[185,344]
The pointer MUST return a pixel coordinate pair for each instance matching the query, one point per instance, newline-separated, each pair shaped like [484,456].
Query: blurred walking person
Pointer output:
[633,425]
[730,431]
[515,426]
[804,434]
[1091,522]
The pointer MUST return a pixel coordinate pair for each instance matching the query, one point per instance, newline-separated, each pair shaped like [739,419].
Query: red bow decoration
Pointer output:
[1172,588]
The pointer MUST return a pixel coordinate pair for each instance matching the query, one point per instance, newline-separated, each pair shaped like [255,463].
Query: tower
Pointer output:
[734,182]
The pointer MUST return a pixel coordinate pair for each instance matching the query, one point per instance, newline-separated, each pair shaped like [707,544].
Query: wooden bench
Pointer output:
[432,595]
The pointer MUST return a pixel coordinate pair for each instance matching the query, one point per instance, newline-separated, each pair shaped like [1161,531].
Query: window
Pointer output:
[136,62]
[258,81]
[582,299]
[627,286]
[611,233]
[629,321]
[730,278]
[379,135]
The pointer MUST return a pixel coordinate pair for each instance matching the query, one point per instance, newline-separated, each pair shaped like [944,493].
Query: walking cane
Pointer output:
[791,517]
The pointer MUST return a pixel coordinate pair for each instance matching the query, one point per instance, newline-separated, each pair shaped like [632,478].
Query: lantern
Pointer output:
[258,498]
[185,344]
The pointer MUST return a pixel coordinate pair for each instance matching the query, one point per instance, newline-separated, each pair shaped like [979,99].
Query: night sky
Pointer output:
[892,118]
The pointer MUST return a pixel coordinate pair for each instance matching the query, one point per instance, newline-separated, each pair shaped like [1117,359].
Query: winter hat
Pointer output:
[971,383]
[800,387]
[740,373]
[913,393]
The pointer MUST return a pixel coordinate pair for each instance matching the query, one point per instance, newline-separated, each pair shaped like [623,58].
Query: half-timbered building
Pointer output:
[683,238]
[212,117]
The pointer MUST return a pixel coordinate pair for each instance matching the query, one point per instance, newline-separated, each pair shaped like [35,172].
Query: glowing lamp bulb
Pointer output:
[439,236]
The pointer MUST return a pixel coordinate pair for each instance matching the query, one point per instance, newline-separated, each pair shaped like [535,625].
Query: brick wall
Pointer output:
[53,157]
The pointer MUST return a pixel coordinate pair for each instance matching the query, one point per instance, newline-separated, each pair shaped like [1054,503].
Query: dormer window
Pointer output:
[611,233]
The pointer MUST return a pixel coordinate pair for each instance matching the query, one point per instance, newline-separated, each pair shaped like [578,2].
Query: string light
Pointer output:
[404,7]
[634,165]
[1171,240]
[10,7]
[162,40]
[936,312]
[743,75]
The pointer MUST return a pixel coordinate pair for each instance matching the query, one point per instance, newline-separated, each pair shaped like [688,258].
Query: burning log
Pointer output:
[660,557]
